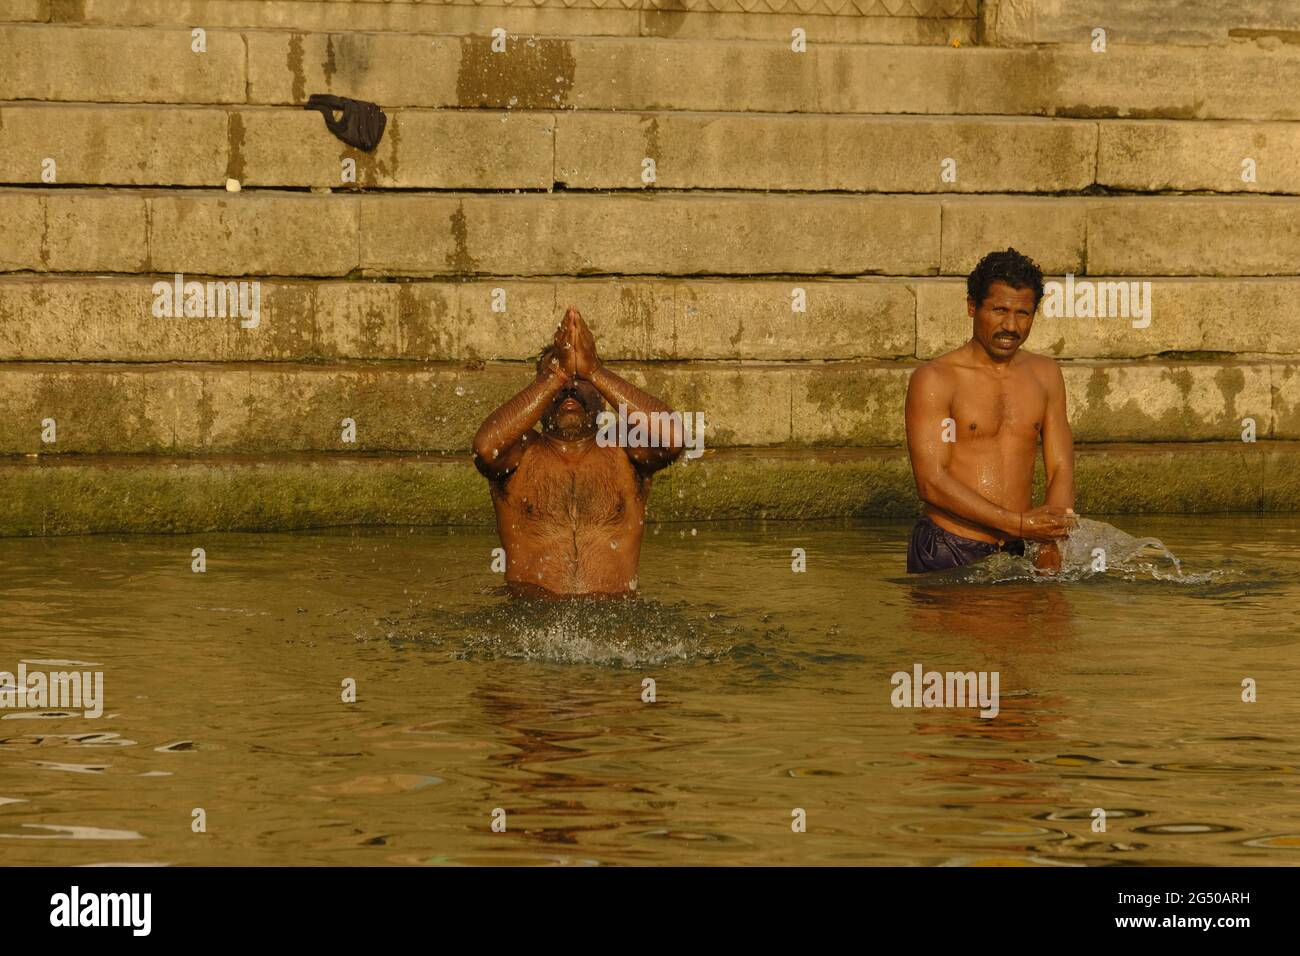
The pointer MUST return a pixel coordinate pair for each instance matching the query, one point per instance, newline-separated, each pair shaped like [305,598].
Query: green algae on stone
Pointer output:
[70,495]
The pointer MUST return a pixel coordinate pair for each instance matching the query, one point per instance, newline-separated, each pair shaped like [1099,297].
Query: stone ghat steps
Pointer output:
[51,62]
[659,234]
[121,145]
[198,408]
[1192,22]
[938,22]
[127,319]
[70,495]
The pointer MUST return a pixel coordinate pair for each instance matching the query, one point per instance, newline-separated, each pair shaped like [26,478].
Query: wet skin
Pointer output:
[570,513]
[1002,401]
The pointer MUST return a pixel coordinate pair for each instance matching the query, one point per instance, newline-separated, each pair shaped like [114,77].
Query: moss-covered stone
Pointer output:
[76,496]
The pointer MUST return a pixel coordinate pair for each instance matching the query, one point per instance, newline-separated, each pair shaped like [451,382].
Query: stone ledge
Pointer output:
[93,318]
[280,493]
[1189,23]
[668,233]
[864,21]
[408,407]
[270,67]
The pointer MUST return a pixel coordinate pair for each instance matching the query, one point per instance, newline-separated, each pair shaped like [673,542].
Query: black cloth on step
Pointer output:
[362,124]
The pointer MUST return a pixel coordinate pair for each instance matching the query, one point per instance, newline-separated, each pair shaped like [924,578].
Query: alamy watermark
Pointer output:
[651,430]
[214,299]
[45,690]
[75,908]
[1092,299]
[923,688]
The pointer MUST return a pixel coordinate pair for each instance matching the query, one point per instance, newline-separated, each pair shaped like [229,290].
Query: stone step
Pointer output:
[103,408]
[269,67]
[119,145]
[1191,22]
[664,234]
[70,495]
[1221,157]
[99,319]
[867,21]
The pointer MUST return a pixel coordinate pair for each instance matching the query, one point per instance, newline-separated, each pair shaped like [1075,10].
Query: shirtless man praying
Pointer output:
[974,419]
[570,511]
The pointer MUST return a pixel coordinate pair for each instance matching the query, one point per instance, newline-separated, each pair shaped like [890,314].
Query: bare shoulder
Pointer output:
[523,456]
[935,374]
[1043,367]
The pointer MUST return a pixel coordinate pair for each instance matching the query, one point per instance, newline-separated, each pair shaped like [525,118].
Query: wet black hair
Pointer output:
[1017,271]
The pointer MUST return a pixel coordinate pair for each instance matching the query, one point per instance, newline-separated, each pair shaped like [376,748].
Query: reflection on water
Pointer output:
[1120,689]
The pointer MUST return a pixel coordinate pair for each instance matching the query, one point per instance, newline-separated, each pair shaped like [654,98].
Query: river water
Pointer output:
[224,702]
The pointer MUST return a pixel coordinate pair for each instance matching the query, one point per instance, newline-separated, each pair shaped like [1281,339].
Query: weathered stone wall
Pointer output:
[839,21]
[865,176]
[1186,22]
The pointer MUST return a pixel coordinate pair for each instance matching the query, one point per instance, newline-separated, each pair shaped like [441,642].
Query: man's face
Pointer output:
[573,411]
[1003,319]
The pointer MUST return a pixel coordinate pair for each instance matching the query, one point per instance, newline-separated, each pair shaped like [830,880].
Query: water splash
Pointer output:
[624,632]
[1093,550]
[1095,541]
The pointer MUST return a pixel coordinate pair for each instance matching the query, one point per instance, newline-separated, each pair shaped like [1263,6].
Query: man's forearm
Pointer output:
[505,426]
[950,495]
[619,391]
[1060,489]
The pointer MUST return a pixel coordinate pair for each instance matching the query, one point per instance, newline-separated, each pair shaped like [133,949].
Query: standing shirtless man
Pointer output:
[974,419]
[570,512]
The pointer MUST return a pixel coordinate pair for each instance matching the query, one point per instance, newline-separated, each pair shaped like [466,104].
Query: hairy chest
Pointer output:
[599,488]
[985,406]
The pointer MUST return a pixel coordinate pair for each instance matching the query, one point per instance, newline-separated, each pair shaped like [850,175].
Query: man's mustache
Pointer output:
[571,393]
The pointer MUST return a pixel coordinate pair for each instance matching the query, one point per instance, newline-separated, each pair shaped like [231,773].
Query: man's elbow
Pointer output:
[487,458]
[927,489]
[485,445]
[482,463]
[653,459]
[674,439]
